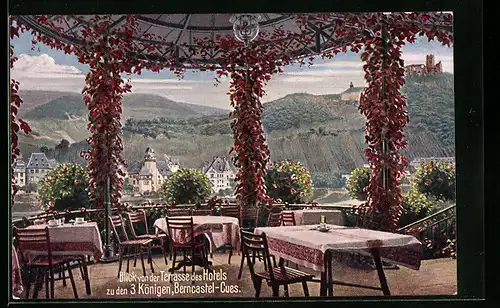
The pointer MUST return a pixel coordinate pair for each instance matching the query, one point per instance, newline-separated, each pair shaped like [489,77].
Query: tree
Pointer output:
[289,181]
[436,179]
[186,186]
[359,180]
[65,187]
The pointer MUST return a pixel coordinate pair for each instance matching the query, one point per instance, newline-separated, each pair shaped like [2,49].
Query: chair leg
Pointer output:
[121,260]
[142,261]
[52,280]
[306,289]
[86,276]
[38,281]
[47,284]
[276,290]
[174,253]
[230,255]
[241,266]
[163,250]
[63,274]
[257,284]
[28,285]
[286,290]
[128,257]
[72,281]
[184,255]
[150,258]
[192,259]
[135,254]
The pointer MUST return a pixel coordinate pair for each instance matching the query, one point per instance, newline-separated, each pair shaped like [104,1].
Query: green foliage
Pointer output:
[328,180]
[65,187]
[289,181]
[431,104]
[186,186]
[436,179]
[60,108]
[415,207]
[359,180]
[294,111]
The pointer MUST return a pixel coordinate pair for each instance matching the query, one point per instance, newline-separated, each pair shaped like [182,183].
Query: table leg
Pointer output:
[328,256]
[380,270]
[322,288]
[86,275]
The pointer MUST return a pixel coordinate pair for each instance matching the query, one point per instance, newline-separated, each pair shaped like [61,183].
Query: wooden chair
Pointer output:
[251,215]
[247,214]
[138,218]
[178,212]
[231,211]
[288,219]
[181,234]
[43,266]
[202,212]
[275,276]
[274,220]
[138,246]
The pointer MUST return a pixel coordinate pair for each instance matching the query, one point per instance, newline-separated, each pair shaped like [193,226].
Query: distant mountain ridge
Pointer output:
[324,132]
[135,105]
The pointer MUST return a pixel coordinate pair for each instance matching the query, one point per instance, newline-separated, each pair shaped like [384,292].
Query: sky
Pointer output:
[52,70]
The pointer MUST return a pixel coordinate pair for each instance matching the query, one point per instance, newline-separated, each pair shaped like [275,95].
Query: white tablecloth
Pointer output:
[304,246]
[220,229]
[69,239]
[313,216]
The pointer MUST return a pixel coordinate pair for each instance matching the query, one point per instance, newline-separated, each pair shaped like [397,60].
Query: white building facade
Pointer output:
[221,173]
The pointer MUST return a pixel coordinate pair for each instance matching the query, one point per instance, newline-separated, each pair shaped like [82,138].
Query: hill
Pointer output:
[324,132]
[69,106]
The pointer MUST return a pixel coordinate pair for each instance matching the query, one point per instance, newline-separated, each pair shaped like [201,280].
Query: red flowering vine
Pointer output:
[16,124]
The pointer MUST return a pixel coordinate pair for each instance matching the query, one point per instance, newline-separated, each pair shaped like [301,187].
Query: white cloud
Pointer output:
[340,64]
[44,64]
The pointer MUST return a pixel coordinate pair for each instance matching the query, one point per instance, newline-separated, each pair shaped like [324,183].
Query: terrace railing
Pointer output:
[435,231]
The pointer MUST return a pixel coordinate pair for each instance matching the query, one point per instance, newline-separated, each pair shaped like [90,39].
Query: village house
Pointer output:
[38,166]
[221,173]
[150,175]
[19,172]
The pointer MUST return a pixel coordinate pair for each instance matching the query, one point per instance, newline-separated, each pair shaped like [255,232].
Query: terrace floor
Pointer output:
[435,277]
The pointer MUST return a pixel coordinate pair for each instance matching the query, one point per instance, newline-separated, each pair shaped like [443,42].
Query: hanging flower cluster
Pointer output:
[250,68]
[16,124]
[385,109]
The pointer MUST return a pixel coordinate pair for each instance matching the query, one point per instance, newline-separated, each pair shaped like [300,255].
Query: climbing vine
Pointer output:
[16,124]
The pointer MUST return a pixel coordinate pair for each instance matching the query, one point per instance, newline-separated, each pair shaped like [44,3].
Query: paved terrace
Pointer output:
[435,277]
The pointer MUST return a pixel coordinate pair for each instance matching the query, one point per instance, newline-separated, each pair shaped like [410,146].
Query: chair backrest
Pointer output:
[202,212]
[138,218]
[116,223]
[178,212]
[274,220]
[180,230]
[32,238]
[254,245]
[252,214]
[288,219]
[230,211]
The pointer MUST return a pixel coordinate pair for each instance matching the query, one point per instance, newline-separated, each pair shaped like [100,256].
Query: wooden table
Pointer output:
[313,249]
[220,230]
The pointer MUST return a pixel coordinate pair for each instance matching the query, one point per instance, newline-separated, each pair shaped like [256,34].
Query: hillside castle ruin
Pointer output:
[425,69]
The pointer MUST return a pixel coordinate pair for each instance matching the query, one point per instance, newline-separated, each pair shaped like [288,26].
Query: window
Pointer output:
[146,183]
[32,171]
[211,175]
[133,182]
